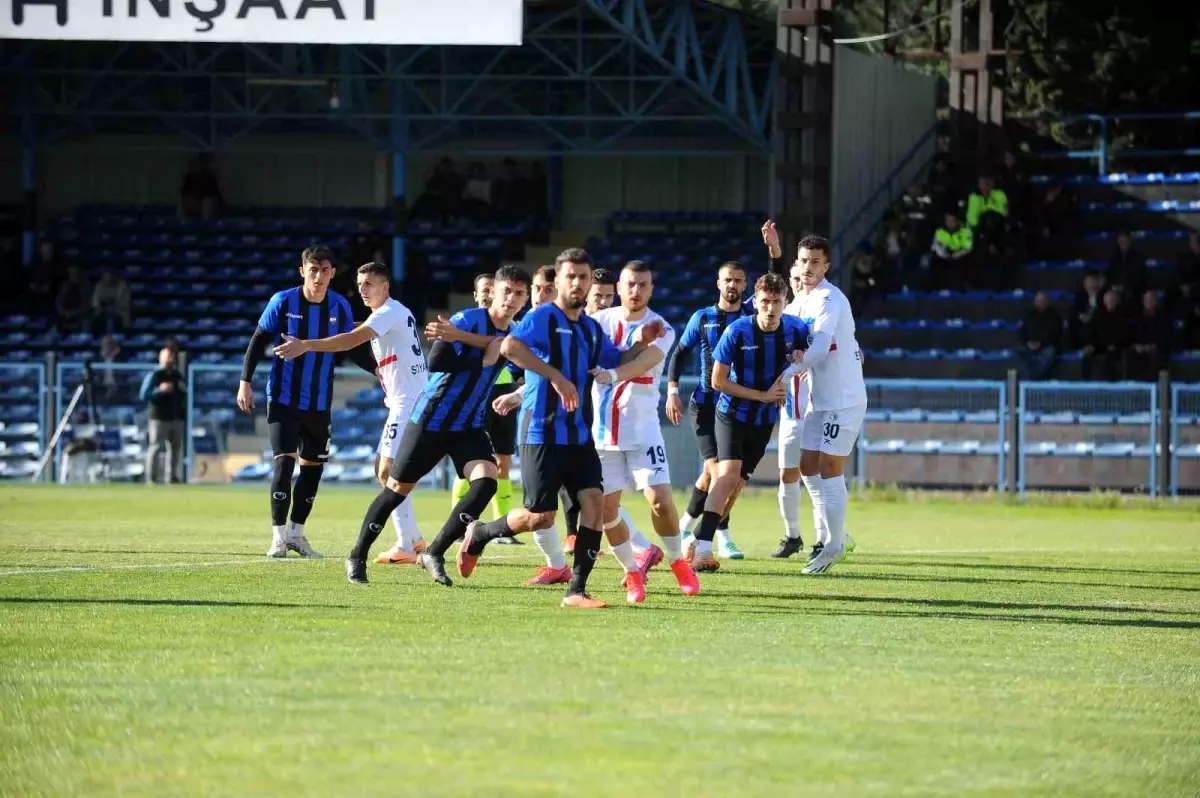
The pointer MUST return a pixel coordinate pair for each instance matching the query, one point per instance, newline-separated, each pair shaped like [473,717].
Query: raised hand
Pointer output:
[291,348]
[770,236]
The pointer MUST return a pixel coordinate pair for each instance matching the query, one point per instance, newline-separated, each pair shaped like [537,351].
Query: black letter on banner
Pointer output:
[107,10]
[19,10]
[332,5]
[370,9]
[205,17]
[163,7]
[273,4]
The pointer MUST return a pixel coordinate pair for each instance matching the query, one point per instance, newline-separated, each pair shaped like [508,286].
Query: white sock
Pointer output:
[295,530]
[685,523]
[405,521]
[703,547]
[639,541]
[280,532]
[672,547]
[624,554]
[834,497]
[547,541]
[789,508]
[814,484]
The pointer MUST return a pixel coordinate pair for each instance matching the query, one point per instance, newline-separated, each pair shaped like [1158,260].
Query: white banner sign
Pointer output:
[279,21]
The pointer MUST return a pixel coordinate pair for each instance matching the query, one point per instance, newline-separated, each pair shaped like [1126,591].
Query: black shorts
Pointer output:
[302,432]
[421,450]
[547,467]
[502,429]
[703,424]
[737,440]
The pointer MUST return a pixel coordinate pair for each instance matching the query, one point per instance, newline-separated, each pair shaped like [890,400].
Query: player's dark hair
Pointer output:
[316,255]
[573,255]
[732,264]
[547,273]
[376,269]
[512,274]
[771,283]
[480,276]
[814,242]
[603,276]
[638,267]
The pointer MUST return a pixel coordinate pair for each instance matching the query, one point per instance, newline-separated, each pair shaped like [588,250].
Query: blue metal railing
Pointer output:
[863,222]
[23,378]
[1185,415]
[1102,151]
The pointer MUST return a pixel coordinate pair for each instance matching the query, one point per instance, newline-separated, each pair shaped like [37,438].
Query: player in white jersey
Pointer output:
[392,331]
[838,398]
[628,435]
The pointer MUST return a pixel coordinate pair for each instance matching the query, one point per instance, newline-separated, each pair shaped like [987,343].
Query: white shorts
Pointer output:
[393,431]
[640,469]
[790,440]
[832,431]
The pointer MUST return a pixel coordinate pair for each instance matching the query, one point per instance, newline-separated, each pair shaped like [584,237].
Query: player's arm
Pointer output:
[822,337]
[534,330]
[516,351]
[648,359]
[447,358]
[722,358]
[687,343]
[268,328]
[446,330]
[292,348]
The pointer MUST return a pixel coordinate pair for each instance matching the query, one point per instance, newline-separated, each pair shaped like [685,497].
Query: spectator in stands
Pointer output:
[1150,340]
[1055,216]
[110,352]
[866,281]
[1127,269]
[1041,338]
[1088,300]
[442,197]
[477,193]
[1104,352]
[953,244]
[46,275]
[72,303]
[164,392]
[200,193]
[110,303]
[987,207]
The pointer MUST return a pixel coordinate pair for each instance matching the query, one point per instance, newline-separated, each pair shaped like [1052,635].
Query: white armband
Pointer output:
[672,390]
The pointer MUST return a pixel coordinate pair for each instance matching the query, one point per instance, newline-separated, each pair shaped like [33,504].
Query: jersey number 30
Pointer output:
[416,347]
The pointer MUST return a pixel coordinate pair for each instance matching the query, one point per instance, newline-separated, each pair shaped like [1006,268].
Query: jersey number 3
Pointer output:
[416,347]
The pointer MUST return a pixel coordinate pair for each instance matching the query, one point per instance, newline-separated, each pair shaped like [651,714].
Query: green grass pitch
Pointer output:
[148,649]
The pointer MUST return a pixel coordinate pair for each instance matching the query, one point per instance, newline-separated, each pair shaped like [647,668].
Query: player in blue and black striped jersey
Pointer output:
[749,364]
[703,331]
[299,393]
[448,421]
[560,348]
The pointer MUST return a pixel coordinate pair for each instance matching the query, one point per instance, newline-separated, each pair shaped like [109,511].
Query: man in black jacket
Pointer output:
[164,392]
[1041,334]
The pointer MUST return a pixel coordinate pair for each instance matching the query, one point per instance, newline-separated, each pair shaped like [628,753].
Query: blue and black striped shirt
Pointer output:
[574,348]
[305,383]
[756,359]
[453,401]
[703,331]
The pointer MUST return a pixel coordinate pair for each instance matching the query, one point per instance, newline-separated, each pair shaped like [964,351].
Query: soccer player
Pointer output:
[629,437]
[501,429]
[750,364]
[299,394]
[448,421]
[559,347]
[703,331]
[838,399]
[391,332]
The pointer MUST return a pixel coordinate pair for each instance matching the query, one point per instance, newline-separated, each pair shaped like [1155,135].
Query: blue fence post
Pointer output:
[1153,440]
[1103,146]
[1173,453]
[187,426]
[1002,422]
[1022,396]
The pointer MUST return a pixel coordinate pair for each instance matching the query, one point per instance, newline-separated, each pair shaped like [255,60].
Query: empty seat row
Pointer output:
[1119,179]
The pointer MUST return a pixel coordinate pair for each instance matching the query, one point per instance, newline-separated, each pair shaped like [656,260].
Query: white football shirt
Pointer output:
[837,380]
[397,350]
[625,415]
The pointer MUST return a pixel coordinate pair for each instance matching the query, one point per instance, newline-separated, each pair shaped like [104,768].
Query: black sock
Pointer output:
[723,524]
[372,525]
[572,516]
[587,546]
[486,533]
[306,490]
[281,489]
[708,526]
[696,503]
[467,510]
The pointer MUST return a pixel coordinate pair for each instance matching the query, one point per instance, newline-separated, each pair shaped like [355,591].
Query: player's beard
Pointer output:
[575,302]
[731,296]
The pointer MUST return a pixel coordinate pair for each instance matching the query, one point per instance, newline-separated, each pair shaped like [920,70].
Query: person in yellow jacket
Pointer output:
[952,246]
[987,200]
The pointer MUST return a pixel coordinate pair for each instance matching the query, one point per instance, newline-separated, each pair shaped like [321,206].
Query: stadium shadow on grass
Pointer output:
[138,552]
[968,580]
[1009,566]
[141,602]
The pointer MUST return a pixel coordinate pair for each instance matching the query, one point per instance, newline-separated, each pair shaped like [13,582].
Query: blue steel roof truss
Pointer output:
[591,76]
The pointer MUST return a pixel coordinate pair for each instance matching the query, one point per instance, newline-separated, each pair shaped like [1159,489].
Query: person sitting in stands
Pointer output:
[952,247]
[1041,334]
